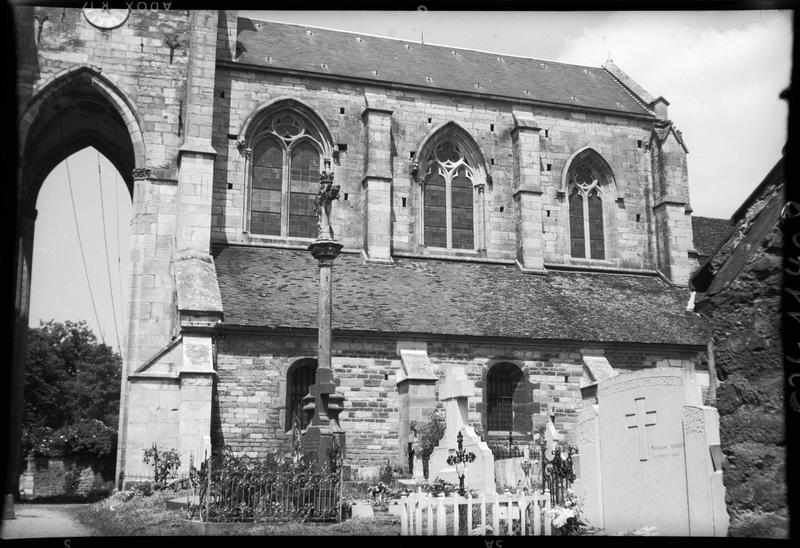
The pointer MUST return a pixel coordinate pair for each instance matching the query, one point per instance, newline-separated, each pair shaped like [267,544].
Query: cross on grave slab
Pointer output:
[640,420]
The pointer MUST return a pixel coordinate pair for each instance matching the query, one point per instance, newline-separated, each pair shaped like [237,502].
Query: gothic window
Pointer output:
[286,160]
[299,379]
[501,384]
[448,198]
[586,212]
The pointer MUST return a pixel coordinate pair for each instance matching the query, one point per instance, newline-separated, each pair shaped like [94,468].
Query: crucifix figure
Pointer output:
[640,420]
[328,192]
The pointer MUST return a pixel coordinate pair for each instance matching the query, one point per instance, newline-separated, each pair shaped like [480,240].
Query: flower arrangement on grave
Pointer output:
[566,517]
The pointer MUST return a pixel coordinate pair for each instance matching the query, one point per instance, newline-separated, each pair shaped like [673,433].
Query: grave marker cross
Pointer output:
[638,419]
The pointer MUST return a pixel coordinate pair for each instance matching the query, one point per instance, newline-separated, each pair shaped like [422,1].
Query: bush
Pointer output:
[164,463]
[428,437]
[87,437]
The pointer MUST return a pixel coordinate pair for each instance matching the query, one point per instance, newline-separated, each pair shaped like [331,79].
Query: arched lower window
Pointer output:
[586,212]
[501,384]
[448,198]
[286,160]
[299,379]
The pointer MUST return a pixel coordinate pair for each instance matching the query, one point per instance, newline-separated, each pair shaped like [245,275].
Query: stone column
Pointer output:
[377,182]
[322,402]
[527,191]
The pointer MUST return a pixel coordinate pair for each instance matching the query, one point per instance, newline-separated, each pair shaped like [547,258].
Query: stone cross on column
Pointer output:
[322,403]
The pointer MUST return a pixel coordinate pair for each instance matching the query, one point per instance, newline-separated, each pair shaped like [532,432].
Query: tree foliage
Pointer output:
[72,385]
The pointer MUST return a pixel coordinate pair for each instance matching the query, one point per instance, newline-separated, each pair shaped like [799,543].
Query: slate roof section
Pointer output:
[336,53]
[278,288]
[709,233]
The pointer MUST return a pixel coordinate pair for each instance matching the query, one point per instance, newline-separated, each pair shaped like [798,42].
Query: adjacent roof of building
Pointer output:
[758,215]
[709,233]
[278,288]
[335,53]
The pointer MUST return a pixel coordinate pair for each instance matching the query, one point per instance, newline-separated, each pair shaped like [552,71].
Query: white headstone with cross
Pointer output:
[455,390]
[647,457]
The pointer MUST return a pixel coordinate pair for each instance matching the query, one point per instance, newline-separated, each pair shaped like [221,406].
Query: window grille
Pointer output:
[501,382]
[299,379]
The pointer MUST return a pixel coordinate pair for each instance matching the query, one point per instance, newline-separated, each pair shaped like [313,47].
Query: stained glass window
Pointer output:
[285,178]
[449,175]
[588,177]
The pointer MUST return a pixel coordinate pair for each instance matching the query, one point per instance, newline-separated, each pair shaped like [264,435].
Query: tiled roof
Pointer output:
[336,53]
[278,288]
[708,234]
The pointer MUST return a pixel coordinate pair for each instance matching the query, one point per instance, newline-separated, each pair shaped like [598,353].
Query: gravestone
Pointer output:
[455,391]
[647,457]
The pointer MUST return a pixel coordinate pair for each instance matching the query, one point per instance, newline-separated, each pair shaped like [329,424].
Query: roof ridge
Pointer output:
[444,46]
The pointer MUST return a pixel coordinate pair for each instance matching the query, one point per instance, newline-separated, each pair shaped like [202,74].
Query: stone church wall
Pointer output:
[621,142]
[135,57]
[250,399]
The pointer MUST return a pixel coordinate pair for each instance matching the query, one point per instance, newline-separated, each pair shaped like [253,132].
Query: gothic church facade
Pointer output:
[520,218]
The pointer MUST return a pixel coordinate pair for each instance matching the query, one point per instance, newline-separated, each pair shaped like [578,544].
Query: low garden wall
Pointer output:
[72,475]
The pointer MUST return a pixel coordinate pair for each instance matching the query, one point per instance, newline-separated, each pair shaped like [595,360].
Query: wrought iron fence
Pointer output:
[558,474]
[506,449]
[235,489]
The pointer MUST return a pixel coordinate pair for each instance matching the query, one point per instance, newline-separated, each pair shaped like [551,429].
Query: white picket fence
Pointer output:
[417,512]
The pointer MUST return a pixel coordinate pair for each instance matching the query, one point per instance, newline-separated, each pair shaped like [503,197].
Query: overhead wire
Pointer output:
[119,258]
[80,241]
[105,241]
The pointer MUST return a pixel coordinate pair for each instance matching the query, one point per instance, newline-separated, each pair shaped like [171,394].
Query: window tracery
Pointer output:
[448,198]
[587,238]
[285,161]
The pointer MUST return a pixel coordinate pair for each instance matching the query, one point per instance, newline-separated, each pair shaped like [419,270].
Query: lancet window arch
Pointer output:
[452,182]
[588,190]
[286,154]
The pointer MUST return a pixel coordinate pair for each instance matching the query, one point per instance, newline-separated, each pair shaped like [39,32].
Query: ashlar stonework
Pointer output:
[460,246]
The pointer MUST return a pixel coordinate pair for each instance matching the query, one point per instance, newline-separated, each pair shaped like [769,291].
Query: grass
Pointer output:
[149,516]
[138,516]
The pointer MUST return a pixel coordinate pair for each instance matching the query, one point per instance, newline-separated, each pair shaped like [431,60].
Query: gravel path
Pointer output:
[44,521]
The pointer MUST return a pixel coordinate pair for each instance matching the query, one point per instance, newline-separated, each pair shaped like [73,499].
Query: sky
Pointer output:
[722,73]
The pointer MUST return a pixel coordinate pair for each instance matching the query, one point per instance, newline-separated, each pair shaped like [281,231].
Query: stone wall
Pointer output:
[414,114]
[48,477]
[250,395]
[748,351]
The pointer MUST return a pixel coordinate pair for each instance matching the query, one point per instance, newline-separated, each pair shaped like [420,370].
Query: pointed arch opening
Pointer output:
[76,109]
[286,146]
[451,172]
[589,184]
